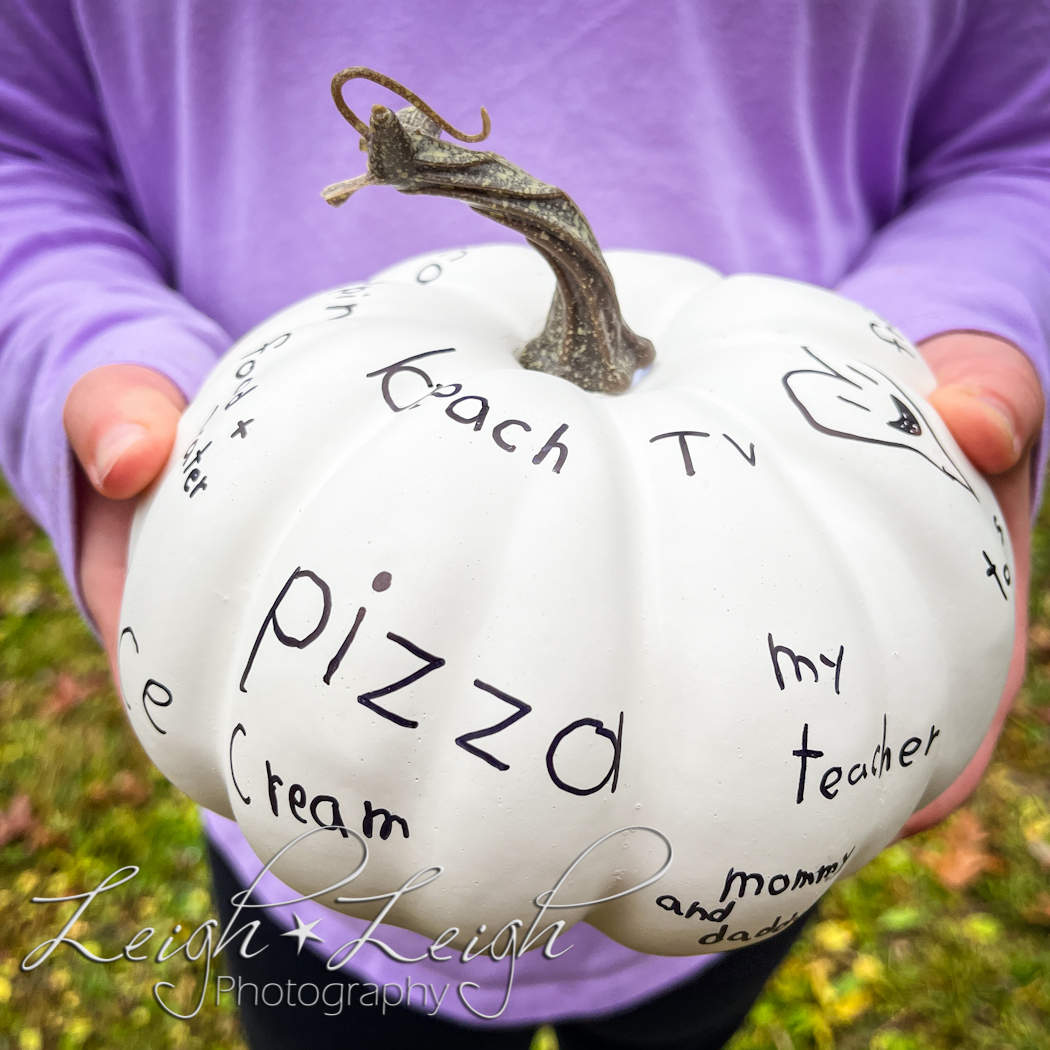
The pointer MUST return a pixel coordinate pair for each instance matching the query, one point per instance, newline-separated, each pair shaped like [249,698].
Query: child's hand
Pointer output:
[121,422]
[989,395]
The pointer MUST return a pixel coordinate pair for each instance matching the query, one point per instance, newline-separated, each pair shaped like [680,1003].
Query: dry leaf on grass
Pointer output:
[67,694]
[1035,826]
[1039,912]
[124,787]
[128,788]
[963,856]
[819,973]
[1039,637]
[17,820]
[1040,850]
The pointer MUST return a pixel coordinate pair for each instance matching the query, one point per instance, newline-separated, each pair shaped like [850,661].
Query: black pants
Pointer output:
[701,1014]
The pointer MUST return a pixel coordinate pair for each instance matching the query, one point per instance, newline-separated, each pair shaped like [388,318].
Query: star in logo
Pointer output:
[303,932]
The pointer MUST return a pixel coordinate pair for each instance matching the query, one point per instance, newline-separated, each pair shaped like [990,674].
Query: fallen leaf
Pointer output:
[819,973]
[67,694]
[1039,637]
[848,1007]
[981,928]
[901,919]
[26,598]
[17,820]
[867,968]
[964,856]
[1039,912]
[124,787]
[1035,826]
[38,837]
[1041,851]
[834,936]
[128,788]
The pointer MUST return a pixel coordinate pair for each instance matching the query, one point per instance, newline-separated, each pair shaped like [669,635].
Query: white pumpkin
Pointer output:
[734,625]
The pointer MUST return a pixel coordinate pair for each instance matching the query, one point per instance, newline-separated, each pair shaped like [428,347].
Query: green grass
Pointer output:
[897,961]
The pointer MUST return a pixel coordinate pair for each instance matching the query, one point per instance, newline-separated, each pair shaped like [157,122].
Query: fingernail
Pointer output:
[111,446]
[1005,416]
[992,408]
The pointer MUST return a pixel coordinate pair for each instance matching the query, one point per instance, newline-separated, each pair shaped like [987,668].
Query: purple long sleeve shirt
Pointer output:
[160,168]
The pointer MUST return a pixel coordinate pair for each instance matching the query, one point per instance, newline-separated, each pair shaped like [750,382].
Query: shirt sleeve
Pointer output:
[970,246]
[80,286]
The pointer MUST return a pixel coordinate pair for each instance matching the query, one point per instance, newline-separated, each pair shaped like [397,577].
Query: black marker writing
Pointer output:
[478,418]
[283,637]
[389,820]
[671,903]
[333,664]
[877,408]
[433,663]
[797,662]
[238,728]
[994,571]
[405,365]
[191,478]
[749,456]
[149,692]
[836,663]
[616,739]
[804,754]
[881,762]
[774,885]
[889,334]
[683,445]
[934,733]
[497,433]
[193,444]
[242,390]
[554,443]
[187,459]
[464,741]
[336,820]
[297,796]
[886,758]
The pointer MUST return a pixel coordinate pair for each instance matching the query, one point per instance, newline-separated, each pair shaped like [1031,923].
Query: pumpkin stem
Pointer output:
[364,73]
[585,340]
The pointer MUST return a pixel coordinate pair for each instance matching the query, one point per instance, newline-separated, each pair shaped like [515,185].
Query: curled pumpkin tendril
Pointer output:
[586,339]
[364,73]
